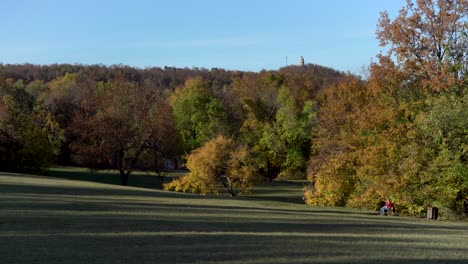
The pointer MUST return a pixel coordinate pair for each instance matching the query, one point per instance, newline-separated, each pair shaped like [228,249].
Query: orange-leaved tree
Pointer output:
[128,121]
[429,41]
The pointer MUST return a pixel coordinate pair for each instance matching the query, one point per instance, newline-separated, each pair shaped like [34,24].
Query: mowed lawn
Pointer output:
[51,220]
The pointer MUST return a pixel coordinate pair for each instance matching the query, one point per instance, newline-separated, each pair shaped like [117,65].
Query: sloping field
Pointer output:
[48,220]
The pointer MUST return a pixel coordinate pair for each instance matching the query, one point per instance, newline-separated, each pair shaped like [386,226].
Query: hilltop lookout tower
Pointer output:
[301,61]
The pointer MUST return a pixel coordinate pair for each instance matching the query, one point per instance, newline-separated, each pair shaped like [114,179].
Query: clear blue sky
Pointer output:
[237,34]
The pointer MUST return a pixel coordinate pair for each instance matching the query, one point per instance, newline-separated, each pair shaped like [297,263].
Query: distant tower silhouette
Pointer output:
[301,61]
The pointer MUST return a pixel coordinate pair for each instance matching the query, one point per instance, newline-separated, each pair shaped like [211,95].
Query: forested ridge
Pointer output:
[400,133]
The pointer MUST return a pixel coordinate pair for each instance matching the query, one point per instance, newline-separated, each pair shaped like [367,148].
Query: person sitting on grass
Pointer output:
[387,207]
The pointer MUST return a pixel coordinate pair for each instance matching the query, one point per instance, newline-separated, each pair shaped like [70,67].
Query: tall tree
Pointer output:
[295,128]
[332,170]
[30,137]
[429,40]
[127,122]
[399,134]
[442,144]
[198,114]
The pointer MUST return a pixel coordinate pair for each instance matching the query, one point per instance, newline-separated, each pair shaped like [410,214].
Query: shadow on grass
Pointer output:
[108,224]
[104,193]
[84,191]
[123,202]
[136,179]
[216,249]
[279,191]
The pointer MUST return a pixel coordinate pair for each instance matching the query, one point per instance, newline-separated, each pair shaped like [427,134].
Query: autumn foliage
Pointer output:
[219,166]
[400,133]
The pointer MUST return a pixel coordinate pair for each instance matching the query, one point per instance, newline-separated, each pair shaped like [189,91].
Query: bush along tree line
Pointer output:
[400,133]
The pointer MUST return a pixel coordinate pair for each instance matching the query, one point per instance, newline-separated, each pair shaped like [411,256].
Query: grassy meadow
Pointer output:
[67,219]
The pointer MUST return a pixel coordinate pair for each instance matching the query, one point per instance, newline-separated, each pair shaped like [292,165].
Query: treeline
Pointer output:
[128,118]
[402,133]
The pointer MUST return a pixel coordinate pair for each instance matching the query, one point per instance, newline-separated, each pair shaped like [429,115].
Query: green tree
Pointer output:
[295,129]
[443,131]
[30,138]
[198,114]
[280,134]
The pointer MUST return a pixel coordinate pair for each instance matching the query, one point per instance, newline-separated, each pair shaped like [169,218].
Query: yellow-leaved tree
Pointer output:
[221,165]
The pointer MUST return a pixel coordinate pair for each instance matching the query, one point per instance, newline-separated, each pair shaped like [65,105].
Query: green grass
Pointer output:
[52,220]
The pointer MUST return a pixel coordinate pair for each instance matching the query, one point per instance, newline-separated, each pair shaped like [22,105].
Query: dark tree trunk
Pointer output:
[228,187]
[123,164]
[270,172]
[124,178]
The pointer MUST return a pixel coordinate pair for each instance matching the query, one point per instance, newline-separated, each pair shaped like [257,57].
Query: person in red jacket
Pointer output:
[387,207]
